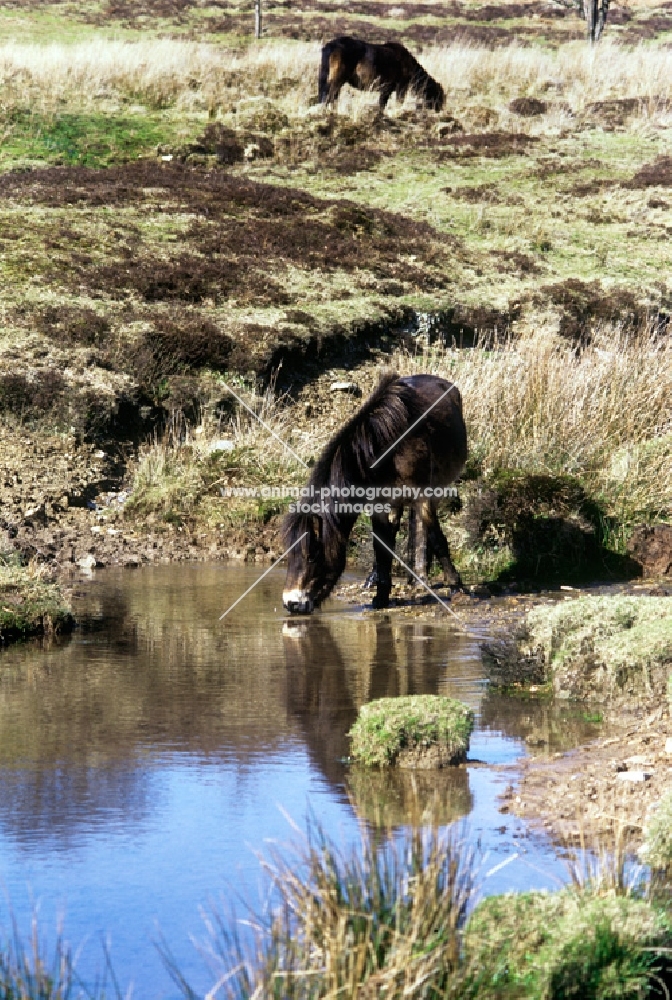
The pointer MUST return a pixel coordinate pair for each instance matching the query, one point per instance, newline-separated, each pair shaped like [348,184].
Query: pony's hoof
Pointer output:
[380,601]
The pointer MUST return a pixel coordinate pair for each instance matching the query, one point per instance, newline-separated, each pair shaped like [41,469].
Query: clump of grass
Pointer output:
[30,603]
[657,848]
[602,648]
[382,920]
[190,468]
[413,731]
[567,944]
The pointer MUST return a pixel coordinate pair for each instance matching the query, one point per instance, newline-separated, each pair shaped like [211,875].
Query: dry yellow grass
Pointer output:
[603,415]
[168,71]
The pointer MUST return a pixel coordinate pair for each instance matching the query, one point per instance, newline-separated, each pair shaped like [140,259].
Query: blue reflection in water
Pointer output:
[144,764]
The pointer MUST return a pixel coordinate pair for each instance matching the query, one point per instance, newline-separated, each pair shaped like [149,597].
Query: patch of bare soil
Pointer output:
[596,185]
[647,28]
[601,791]
[615,112]
[528,107]
[513,261]
[495,145]
[583,303]
[63,503]
[475,195]
[656,174]
[499,12]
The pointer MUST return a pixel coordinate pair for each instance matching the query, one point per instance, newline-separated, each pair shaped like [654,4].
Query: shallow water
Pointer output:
[145,761]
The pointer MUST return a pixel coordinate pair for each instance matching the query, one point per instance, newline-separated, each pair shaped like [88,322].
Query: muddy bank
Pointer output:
[601,792]
[63,504]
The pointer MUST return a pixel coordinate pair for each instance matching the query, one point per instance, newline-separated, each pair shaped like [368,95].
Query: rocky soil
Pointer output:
[63,503]
[599,793]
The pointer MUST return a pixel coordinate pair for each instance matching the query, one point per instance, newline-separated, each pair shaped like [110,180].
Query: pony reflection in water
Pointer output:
[409,437]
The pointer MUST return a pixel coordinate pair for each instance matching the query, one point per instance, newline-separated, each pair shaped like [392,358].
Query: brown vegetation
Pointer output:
[584,304]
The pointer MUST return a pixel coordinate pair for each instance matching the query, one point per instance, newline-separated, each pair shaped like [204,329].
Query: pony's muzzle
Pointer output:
[297,602]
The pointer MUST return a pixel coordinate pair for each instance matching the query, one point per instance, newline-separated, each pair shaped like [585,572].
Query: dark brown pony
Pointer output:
[409,435]
[389,68]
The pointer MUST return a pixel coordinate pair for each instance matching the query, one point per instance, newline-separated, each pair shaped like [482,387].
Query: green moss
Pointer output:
[556,946]
[603,647]
[30,605]
[413,731]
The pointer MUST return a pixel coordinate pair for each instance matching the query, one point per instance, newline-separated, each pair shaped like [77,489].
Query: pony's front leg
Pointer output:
[385,529]
[394,518]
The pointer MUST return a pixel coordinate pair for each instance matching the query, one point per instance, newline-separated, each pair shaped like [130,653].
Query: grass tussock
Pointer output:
[30,603]
[602,648]
[553,946]
[381,920]
[189,471]
[657,848]
[413,731]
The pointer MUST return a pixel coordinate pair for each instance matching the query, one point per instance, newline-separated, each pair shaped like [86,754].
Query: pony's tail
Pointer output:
[323,83]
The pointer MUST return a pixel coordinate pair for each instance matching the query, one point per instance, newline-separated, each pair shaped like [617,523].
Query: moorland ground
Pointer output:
[180,220]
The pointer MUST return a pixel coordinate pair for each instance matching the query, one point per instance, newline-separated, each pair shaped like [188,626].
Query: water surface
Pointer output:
[146,760]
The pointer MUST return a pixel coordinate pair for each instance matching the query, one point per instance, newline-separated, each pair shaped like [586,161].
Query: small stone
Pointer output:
[87,562]
[634,776]
[668,744]
[345,387]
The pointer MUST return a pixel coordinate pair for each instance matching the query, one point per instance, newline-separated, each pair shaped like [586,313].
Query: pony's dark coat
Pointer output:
[419,418]
[388,67]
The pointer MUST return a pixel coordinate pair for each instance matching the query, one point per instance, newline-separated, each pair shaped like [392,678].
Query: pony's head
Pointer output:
[315,561]
[433,95]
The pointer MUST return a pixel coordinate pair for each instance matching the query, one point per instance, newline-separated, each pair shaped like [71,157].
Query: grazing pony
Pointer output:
[402,448]
[389,68]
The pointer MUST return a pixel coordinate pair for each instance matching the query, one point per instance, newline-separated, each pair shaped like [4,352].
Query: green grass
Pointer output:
[603,648]
[29,604]
[411,731]
[563,945]
[80,139]
[657,848]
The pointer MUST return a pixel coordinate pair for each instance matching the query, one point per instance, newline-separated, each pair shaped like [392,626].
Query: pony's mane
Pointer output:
[347,458]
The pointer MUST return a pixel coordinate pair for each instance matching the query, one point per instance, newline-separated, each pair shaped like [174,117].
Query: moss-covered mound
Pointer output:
[551,946]
[423,731]
[606,649]
[30,605]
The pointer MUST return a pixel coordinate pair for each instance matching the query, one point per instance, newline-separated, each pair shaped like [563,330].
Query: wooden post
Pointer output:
[257,19]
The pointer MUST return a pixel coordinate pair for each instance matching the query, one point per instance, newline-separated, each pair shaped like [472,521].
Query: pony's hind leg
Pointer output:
[419,548]
[426,540]
[385,529]
[437,545]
